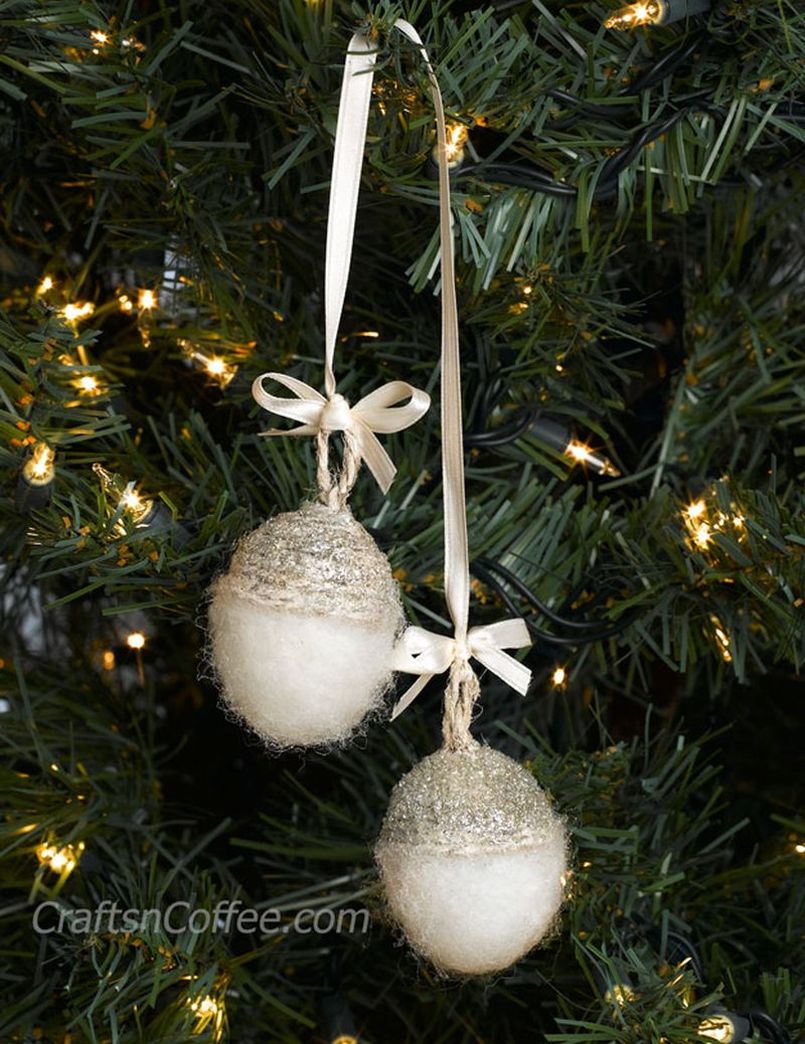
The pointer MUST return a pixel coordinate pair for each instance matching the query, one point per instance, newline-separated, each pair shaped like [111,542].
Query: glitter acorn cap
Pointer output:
[473,799]
[317,561]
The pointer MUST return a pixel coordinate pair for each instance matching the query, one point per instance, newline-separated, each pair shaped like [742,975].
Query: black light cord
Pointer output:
[522,176]
[587,631]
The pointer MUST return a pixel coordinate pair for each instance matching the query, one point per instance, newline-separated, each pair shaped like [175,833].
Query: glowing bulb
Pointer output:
[218,368]
[74,311]
[645,12]
[205,1006]
[799,849]
[46,284]
[702,535]
[38,469]
[559,677]
[125,302]
[146,300]
[99,36]
[696,509]
[456,140]
[214,365]
[135,640]
[620,994]
[60,860]
[131,500]
[108,660]
[717,1027]
[138,506]
[87,383]
[722,639]
[208,1011]
[584,455]
[344,1038]
[578,452]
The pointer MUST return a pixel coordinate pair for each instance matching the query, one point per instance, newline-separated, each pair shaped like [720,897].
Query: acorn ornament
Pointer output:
[472,857]
[302,625]
[471,853]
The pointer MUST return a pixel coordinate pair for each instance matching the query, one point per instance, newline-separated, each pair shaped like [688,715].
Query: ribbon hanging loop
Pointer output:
[380,411]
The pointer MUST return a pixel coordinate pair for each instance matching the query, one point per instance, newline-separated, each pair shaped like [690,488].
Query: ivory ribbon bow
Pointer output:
[422,652]
[419,651]
[376,412]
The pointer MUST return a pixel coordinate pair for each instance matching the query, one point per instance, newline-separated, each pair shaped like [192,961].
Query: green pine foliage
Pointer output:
[629,239]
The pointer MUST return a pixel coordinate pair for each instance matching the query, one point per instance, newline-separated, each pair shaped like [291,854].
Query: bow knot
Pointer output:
[427,654]
[336,414]
[379,411]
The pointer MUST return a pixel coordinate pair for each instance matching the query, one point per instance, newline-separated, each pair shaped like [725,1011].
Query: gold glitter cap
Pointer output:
[317,561]
[469,800]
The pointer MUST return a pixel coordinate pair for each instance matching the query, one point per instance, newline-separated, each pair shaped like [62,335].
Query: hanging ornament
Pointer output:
[471,854]
[303,624]
[472,857]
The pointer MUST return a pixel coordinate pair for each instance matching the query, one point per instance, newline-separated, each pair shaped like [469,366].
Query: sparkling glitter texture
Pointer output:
[316,561]
[469,800]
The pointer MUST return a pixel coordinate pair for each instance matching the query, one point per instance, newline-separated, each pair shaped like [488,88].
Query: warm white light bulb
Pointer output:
[645,12]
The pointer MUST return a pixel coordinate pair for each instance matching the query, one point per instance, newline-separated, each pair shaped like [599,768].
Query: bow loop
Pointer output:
[427,654]
[379,411]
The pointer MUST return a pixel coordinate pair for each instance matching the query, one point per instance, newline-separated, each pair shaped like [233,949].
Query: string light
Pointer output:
[129,500]
[620,994]
[125,303]
[655,12]
[135,640]
[702,526]
[108,660]
[60,860]
[702,535]
[799,849]
[584,455]
[38,469]
[722,639]
[45,285]
[718,1027]
[146,300]
[696,509]
[457,135]
[75,311]
[208,1011]
[634,15]
[344,1038]
[87,383]
[215,367]
[559,677]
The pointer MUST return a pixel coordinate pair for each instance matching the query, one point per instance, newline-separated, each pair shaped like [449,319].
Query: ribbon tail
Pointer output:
[377,459]
[410,695]
[511,671]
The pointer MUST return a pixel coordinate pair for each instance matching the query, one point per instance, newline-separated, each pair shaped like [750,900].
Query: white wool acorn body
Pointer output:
[302,627]
[472,858]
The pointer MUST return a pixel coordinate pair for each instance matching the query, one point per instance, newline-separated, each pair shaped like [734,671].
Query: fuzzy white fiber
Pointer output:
[478,913]
[472,857]
[299,680]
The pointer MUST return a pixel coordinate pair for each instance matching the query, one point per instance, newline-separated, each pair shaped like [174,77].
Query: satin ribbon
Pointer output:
[419,651]
[377,412]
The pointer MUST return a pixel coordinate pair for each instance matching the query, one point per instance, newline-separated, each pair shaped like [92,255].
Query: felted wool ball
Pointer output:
[472,858]
[302,627]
